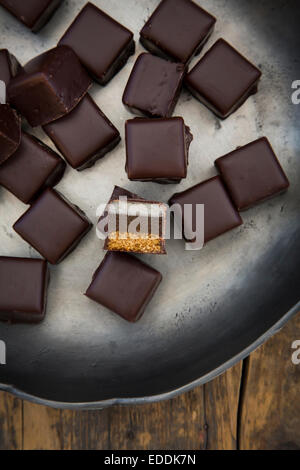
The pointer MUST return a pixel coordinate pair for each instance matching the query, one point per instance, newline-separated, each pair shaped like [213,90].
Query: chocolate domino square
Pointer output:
[223,79]
[115,195]
[252,174]
[157,149]
[10,132]
[49,86]
[31,169]
[102,44]
[23,289]
[220,215]
[154,86]
[137,226]
[177,30]
[9,66]
[124,285]
[84,135]
[32,13]
[53,226]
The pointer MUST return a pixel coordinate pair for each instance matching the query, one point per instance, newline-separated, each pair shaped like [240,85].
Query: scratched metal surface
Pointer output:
[213,306]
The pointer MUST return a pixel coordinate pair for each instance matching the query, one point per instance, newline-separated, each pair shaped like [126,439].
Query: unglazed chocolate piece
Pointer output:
[220,215]
[23,289]
[10,132]
[252,174]
[223,79]
[154,86]
[9,66]
[102,44]
[124,285]
[84,135]
[49,86]
[177,30]
[53,226]
[31,169]
[32,13]
[157,149]
[137,226]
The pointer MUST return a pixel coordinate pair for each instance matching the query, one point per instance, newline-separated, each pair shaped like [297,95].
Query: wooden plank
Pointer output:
[41,428]
[173,424]
[222,406]
[85,429]
[270,406]
[10,422]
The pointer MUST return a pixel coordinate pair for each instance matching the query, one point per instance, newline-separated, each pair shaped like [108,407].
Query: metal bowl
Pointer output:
[214,306]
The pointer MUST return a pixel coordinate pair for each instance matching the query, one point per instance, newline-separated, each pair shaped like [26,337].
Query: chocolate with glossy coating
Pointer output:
[220,215]
[117,192]
[223,79]
[84,135]
[31,169]
[102,44]
[9,66]
[124,284]
[23,289]
[252,174]
[49,86]
[32,13]
[177,30]
[53,226]
[154,86]
[157,149]
[10,132]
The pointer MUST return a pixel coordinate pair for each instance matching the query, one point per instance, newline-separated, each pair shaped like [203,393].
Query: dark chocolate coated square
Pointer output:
[154,86]
[223,79]
[49,86]
[53,226]
[102,44]
[23,289]
[149,231]
[157,149]
[252,173]
[10,132]
[31,169]
[117,192]
[9,66]
[220,215]
[84,135]
[32,13]
[124,284]
[177,30]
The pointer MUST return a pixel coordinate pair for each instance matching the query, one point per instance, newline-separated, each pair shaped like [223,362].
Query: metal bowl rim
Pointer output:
[163,396]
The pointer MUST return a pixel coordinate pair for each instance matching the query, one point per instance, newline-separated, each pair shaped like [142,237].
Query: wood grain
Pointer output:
[41,427]
[270,407]
[222,406]
[11,422]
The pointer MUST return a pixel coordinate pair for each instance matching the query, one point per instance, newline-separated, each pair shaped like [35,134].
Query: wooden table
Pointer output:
[255,405]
